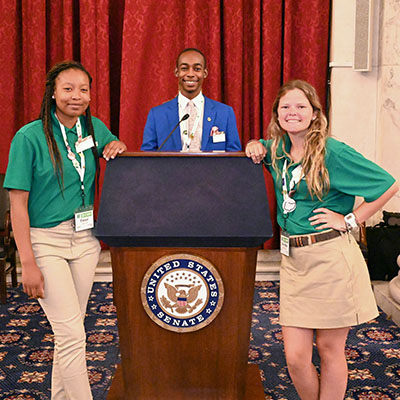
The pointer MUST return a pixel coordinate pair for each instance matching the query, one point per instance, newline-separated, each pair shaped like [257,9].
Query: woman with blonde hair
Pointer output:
[324,283]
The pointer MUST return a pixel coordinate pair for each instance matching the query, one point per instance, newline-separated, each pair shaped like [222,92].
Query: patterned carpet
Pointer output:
[373,353]
[26,341]
[26,345]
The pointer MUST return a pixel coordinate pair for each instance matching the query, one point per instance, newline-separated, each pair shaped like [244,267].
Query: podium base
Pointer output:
[254,388]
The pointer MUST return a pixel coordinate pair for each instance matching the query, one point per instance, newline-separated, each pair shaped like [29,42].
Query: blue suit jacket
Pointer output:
[162,119]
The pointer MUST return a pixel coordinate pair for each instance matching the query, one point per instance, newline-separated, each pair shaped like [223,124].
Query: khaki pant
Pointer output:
[67,260]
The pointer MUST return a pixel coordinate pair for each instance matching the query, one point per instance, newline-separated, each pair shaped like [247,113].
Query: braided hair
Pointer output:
[45,115]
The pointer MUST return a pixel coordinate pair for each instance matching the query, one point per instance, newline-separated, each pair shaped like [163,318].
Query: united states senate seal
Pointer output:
[182,292]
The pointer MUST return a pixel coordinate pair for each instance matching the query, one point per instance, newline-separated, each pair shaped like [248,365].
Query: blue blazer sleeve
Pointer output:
[160,121]
[232,134]
[149,134]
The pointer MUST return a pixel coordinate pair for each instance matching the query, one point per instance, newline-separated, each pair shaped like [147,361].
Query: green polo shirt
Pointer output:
[30,168]
[350,174]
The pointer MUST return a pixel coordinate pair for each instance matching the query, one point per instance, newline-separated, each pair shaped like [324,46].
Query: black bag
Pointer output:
[383,242]
[391,218]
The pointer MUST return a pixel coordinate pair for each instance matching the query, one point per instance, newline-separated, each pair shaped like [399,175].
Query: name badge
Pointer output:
[285,243]
[219,137]
[84,218]
[84,144]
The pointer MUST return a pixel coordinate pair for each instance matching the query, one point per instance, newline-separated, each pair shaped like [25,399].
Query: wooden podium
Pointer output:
[171,216]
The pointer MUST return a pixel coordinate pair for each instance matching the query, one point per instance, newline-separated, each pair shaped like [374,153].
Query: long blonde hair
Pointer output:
[313,163]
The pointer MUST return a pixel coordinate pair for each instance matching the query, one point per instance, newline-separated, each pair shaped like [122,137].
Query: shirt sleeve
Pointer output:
[351,173]
[20,164]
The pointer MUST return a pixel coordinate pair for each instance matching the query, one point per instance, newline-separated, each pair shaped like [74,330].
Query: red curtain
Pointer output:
[130,47]
[34,35]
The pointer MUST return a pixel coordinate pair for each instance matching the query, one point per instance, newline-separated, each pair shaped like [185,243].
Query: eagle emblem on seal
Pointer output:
[181,297]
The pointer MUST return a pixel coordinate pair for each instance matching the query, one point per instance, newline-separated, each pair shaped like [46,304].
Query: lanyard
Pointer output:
[289,204]
[297,174]
[80,168]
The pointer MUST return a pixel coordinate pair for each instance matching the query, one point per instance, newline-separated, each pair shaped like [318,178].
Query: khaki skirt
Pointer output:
[326,285]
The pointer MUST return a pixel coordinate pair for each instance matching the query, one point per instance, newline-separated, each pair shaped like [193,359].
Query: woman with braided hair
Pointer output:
[51,178]
[324,282]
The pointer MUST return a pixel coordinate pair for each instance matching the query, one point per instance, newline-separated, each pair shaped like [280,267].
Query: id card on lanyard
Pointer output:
[288,204]
[84,215]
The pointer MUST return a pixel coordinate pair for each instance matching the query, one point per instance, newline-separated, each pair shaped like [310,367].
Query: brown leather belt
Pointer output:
[305,240]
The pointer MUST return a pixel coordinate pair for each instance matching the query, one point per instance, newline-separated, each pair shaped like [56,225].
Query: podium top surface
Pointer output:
[183,154]
[183,200]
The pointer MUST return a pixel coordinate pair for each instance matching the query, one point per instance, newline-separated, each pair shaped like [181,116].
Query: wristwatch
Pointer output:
[351,222]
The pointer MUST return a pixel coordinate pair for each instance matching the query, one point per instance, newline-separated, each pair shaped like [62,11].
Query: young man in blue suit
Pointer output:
[206,125]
